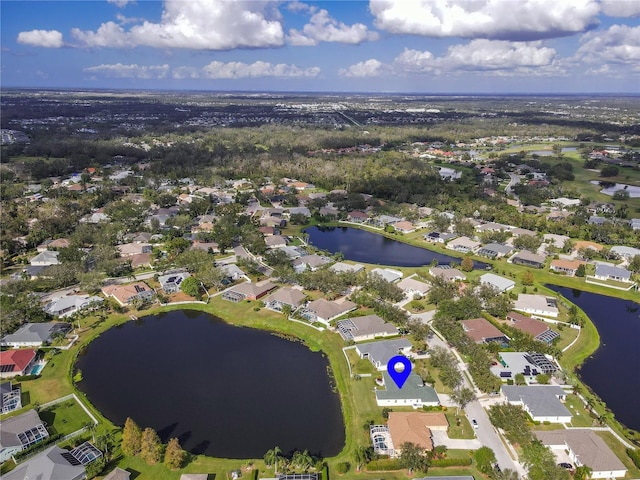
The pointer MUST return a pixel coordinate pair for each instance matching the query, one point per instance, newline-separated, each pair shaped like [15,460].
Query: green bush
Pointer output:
[343,467]
[635,456]
[451,462]
[383,465]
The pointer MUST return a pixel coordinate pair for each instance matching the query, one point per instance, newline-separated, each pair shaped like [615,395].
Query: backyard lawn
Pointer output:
[64,418]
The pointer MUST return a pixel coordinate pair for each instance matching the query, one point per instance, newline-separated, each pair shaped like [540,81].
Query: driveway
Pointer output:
[441,438]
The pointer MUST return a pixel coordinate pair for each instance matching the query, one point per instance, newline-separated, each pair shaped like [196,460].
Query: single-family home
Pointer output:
[45,259]
[634,223]
[495,250]
[501,284]
[10,397]
[15,363]
[439,237]
[285,296]
[404,227]
[480,330]
[275,241]
[368,327]
[530,364]
[357,216]
[609,272]
[129,293]
[597,220]
[538,329]
[464,245]
[34,334]
[491,227]
[536,305]
[447,273]
[53,244]
[171,282]
[19,433]
[118,474]
[232,272]
[519,232]
[322,310]
[543,403]
[413,427]
[387,274]
[625,252]
[412,287]
[310,262]
[583,244]
[342,267]
[585,447]
[568,267]
[70,304]
[130,249]
[249,291]
[414,393]
[57,463]
[384,220]
[379,353]
[529,259]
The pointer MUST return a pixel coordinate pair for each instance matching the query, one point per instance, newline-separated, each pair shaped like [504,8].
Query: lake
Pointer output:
[367,247]
[613,371]
[222,390]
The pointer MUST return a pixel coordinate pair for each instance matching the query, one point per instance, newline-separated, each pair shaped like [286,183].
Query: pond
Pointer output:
[366,247]
[222,390]
[612,372]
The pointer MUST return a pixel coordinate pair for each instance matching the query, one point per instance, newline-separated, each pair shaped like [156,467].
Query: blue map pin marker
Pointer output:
[399,369]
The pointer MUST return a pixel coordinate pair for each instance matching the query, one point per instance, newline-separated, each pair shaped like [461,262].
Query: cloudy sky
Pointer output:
[427,46]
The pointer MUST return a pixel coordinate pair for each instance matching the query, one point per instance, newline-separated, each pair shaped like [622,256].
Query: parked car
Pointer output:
[566,465]
[474,423]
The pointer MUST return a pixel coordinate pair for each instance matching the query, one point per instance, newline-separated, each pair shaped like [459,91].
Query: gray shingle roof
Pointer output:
[49,464]
[34,332]
[610,271]
[384,350]
[413,389]
[541,401]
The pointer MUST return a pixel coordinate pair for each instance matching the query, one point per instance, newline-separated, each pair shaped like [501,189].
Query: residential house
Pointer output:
[463,245]
[249,291]
[341,267]
[171,282]
[130,249]
[328,211]
[232,272]
[127,294]
[585,447]
[209,247]
[384,220]
[10,397]
[310,262]
[324,311]
[543,403]
[439,237]
[480,330]
[379,353]
[495,250]
[299,211]
[71,304]
[596,220]
[529,259]
[412,287]
[447,273]
[501,284]
[53,244]
[45,259]
[357,216]
[568,267]
[536,305]
[19,433]
[519,232]
[404,227]
[538,329]
[118,474]
[625,252]
[609,272]
[286,296]
[407,427]
[387,274]
[34,334]
[491,227]
[368,327]
[555,240]
[414,393]
[582,244]
[634,223]
[15,363]
[56,463]
[529,364]
[275,241]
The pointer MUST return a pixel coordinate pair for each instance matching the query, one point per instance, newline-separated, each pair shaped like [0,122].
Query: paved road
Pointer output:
[515,180]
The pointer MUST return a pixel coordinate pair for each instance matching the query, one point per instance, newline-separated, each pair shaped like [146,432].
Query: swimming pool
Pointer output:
[36,369]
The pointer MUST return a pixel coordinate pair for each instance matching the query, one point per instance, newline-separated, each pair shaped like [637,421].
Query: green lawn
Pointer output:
[464,430]
[64,418]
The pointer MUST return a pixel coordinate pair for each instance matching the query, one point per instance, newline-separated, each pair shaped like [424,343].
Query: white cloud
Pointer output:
[121,3]
[180,73]
[324,28]
[368,68]
[618,46]
[415,61]
[41,38]
[496,19]
[197,24]
[119,70]
[220,70]
[621,8]
[497,55]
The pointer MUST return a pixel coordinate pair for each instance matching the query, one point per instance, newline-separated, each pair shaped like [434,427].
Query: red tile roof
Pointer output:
[18,358]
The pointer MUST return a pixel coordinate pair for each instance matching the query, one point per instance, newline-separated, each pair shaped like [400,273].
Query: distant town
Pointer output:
[279,212]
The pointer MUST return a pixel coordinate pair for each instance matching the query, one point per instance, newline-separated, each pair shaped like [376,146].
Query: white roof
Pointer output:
[499,282]
[388,274]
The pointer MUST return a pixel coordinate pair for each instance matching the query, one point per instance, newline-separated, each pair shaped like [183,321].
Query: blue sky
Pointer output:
[426,46]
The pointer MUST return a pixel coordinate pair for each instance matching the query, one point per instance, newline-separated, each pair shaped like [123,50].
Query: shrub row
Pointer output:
[635,456]
[451,462]
[383,465]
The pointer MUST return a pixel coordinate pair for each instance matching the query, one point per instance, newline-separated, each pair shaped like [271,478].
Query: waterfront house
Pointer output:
[249,291]
[127,294]
[501,284]
[568,267]
[609,272]
[379,353]
[480,330]
[464,245]
[414,393]
[15,363]
[171,282]
[341,267]
[538,329]
[543,403]
[285,296]
[19,433]
[71,304]
[368,327]
[528,259]
[324,311]
[10,397]
[310,262]
[447,273]
[536,305]
[439,237]
[495,250]
[34,334]
[412,287]
[387,274]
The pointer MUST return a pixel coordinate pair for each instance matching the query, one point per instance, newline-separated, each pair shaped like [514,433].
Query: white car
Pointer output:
[474,423]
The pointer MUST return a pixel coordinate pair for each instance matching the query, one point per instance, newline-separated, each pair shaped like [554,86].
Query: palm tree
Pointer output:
[272,456]
[582,473]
